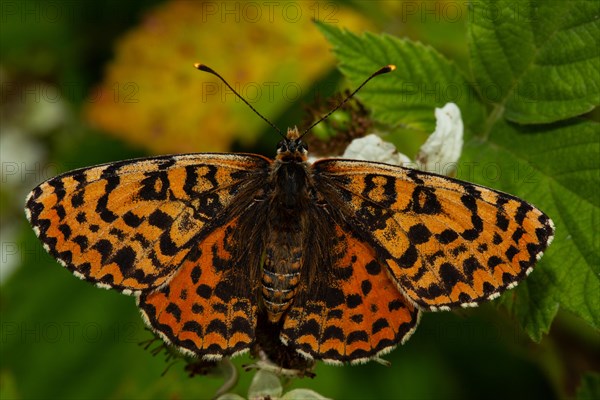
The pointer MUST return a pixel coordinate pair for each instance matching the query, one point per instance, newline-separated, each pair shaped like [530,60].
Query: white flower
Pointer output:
[439,153]
[21,159]
[373,148]
[266,385]
[442,149]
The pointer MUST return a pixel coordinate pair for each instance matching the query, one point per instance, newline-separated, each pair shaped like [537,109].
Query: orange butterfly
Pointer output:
[331,261]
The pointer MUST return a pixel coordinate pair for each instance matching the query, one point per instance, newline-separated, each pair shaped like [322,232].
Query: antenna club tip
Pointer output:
[391,67]
[202,67]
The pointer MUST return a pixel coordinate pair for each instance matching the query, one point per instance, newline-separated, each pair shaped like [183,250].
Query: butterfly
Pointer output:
[331,261]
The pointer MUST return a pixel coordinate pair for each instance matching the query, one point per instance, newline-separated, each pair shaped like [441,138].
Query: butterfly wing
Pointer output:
[445,242]
[207,309]
[356,315]
[129,225]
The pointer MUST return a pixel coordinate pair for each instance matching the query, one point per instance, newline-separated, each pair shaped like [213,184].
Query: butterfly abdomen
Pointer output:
[281,272]
[284,244]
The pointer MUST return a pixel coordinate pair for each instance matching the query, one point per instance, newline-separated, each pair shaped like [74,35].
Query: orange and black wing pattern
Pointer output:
[208,309]
[129,225]
[446,243]
[357,314]
[187,235]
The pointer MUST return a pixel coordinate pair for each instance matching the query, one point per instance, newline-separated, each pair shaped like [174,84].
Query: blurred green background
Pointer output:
[85,83]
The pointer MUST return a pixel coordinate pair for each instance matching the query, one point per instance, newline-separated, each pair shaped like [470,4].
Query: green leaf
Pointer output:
[590,387]
[556,168]
[423,80]
[304,394]
[538,61]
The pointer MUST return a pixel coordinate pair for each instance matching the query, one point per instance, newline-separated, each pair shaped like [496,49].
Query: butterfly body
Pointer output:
[286,228]
[332,260]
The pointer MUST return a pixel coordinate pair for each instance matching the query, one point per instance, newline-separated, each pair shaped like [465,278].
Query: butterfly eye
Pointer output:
[281,146]
[303,146]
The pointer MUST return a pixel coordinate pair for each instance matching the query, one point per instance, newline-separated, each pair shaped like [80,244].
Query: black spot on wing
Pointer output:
[77,199]
[521,212]
[82,241]
[501,220]
[132,220]
[310,327]
[389,189]
[333,332]
[240,324]
[353,300]
[396,305]
[60,211]
[379,325]
[373,268]
[493,261]
[409,258]
[366,287]
[511,252]
[204,291]
[167,246]
[518,234]
[447,236]
[65,230]
[160,219]
[449,274]
[357,318]
[195,274]
[59,189]
[424,201]
[191,180]
[418,234]
[154,186]
[470,265]
[193,326]
[218,327]
[102,205]
[125,259]
[334,297]
[174,310]
[497,238]
[105,248]
[197,308]
[357,336]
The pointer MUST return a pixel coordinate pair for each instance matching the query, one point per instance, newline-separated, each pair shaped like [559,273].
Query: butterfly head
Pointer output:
[292,148]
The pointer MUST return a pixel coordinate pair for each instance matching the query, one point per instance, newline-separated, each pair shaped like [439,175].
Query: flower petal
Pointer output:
[373,148]
[265,384]
[442,149]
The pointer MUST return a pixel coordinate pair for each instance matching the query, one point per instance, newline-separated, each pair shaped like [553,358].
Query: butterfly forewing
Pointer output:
[446,243]
[129,225]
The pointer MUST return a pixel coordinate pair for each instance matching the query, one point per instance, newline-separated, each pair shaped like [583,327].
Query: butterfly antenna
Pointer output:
[384,70]
[205,68]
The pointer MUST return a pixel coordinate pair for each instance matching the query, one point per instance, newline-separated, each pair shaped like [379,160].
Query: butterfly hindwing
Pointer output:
[129,225]
[207,309]
[446,243]
[357,316]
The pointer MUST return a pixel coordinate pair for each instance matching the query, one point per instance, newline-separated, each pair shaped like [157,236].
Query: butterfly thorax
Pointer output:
[286,226]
